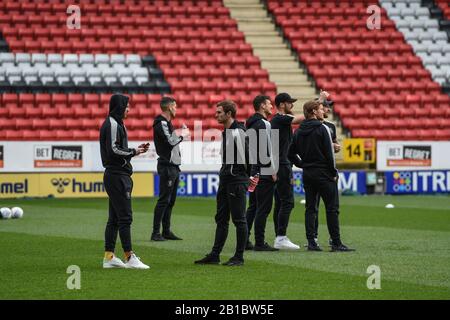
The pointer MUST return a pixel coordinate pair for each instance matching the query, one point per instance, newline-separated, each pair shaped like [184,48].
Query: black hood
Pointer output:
[117,106]
[254,118]
[308,126]
[158,119]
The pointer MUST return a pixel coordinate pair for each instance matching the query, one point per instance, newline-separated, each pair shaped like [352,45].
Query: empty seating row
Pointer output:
[127,22]
[41,59]
[187,34]
[403,134]
[160,7]
[77,74]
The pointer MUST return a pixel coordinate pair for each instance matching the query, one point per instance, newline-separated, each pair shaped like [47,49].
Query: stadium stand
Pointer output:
[422,32]
[195,45]
[382,88]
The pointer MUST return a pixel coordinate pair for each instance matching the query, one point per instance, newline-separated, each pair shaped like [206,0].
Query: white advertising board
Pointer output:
[79,156]
[413,155]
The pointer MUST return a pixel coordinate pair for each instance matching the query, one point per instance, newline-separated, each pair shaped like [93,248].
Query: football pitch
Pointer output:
[410,244]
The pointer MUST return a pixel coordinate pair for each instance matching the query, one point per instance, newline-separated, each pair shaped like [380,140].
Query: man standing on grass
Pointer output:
[284,190]
[169,160]
[312,149]
[116,158]
[327,106]
[232,192]
[262,200]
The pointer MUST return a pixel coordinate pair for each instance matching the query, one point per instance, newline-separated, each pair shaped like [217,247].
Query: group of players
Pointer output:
[247,165]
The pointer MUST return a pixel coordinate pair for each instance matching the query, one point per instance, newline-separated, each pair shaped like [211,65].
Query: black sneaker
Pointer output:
[264,247]
[249,245]
[234,262]
[170,236]
[341,248]
[314,246]
[157,237]
[208,259]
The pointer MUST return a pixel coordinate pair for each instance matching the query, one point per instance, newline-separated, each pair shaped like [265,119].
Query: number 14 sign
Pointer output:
[359,150]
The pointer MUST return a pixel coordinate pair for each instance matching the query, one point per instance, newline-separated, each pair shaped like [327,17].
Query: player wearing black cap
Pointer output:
[116,158]
[284,193]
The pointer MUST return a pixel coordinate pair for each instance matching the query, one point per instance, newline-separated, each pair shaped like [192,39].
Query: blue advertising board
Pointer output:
[203,184]
[417,182]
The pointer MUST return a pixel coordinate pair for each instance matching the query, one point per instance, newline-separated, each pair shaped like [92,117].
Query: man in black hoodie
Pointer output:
[116,158]
[262,199]
[232,192]
[168,150]
[312,149]
[327,106]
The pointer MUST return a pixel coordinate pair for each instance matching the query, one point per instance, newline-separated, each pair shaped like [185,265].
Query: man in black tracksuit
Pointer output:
[284,193]
[168,150]
[232,192]
[259,127]
[312,149]
[327,105]
[116,158]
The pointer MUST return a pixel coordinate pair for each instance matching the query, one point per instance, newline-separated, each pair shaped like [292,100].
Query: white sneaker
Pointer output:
[113,263]
[135,263]
[283,242]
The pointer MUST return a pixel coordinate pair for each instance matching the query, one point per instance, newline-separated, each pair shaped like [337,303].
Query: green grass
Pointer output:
[409,243]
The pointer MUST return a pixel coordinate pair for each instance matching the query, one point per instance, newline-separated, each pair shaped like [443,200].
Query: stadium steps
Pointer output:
[275,55]
[269,46]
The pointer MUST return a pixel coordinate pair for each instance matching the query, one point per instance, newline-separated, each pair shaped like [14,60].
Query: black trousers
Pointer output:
[168,185]
[317,184]
[264,200]
[119,188]
[231,200]
[284,200]
[251,211]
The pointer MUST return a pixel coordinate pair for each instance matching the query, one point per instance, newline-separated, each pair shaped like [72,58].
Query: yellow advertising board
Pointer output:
[67,185]
[359,150]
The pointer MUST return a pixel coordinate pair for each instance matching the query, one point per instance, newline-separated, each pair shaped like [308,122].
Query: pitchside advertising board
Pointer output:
[413,155]
[204,184]
[417,182]
[66,185]
[58,156]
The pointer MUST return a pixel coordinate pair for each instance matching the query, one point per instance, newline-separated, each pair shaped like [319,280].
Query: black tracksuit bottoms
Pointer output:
[284,199]
[251,211]
[231,199]
[317,184]
[264,200]
[169,177]
[119,188]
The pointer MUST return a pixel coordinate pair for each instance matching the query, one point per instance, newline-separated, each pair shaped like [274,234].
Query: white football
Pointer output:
[17,213]
[390,206]
[6,213]
[303,201]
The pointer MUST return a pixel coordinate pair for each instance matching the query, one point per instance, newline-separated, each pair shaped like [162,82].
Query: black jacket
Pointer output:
[260,125]
[312,143]
[332,129]
[166,142]
[234,169]
[114,149]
